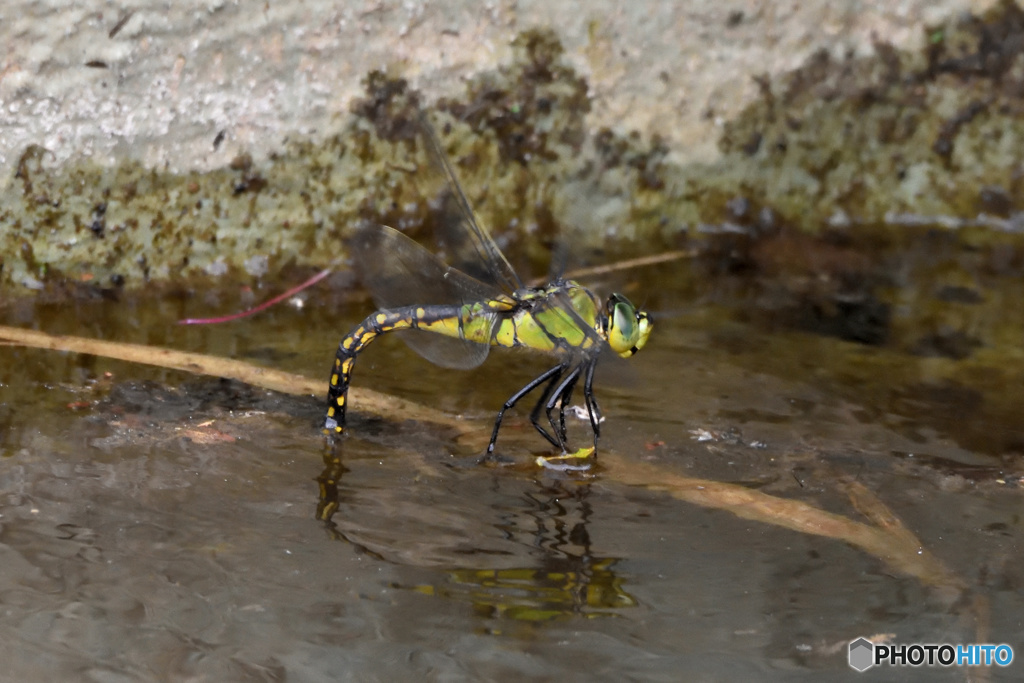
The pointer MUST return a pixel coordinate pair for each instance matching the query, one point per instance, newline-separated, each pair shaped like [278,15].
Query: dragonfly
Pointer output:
[462,306]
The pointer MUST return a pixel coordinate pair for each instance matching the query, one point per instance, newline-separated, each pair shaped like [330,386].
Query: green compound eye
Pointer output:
[628,328]
[624,324]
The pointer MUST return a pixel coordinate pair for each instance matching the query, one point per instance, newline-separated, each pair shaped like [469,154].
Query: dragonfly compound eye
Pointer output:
[623,328]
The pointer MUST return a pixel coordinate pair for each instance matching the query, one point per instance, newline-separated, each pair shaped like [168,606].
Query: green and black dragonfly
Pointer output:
[474,300]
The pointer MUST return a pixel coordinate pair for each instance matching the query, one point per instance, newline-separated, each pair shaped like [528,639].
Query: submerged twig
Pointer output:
[889,540]
[197,363]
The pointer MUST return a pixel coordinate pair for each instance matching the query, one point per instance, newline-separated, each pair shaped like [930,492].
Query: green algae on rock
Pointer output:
[520,138]
[853,145]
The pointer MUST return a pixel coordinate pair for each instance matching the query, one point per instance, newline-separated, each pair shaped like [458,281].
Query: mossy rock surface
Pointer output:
[861,150]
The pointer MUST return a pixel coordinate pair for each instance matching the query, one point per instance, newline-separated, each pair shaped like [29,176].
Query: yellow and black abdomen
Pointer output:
[463,322]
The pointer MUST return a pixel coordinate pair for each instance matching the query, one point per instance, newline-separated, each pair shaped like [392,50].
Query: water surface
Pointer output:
[156,526]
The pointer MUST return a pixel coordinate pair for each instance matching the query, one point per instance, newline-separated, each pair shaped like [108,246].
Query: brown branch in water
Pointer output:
[889,541]
[867,504]
[885,537]
[196,363]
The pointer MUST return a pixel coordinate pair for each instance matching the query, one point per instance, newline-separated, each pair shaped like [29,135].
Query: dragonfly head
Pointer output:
[628,327]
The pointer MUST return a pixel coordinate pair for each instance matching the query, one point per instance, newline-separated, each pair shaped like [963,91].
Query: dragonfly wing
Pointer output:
[560,304]
[447,352]
[401,273]
[467,245]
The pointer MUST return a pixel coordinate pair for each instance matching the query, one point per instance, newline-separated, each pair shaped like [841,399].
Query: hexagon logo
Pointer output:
[862,654]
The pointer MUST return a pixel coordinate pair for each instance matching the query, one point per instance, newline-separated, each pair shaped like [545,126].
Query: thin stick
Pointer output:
[261,307]
[891,542]
[371,401]
[628,264]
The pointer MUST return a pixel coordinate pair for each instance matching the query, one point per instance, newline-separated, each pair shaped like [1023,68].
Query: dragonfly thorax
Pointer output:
[628,326]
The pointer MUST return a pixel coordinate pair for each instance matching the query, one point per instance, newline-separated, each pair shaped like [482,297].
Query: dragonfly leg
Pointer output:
[593,410]
[550,376]
[546,403]
[562,396]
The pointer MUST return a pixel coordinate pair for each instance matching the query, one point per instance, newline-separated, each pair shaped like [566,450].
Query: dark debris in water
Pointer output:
[196,397]
[149,405]
[955,344]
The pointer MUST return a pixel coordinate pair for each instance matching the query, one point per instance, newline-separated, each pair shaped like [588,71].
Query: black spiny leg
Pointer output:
[562,396]
[588,395]
[558,440]
[550,376]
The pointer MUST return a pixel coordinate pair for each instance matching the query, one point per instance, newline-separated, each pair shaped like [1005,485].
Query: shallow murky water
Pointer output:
[155,526]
